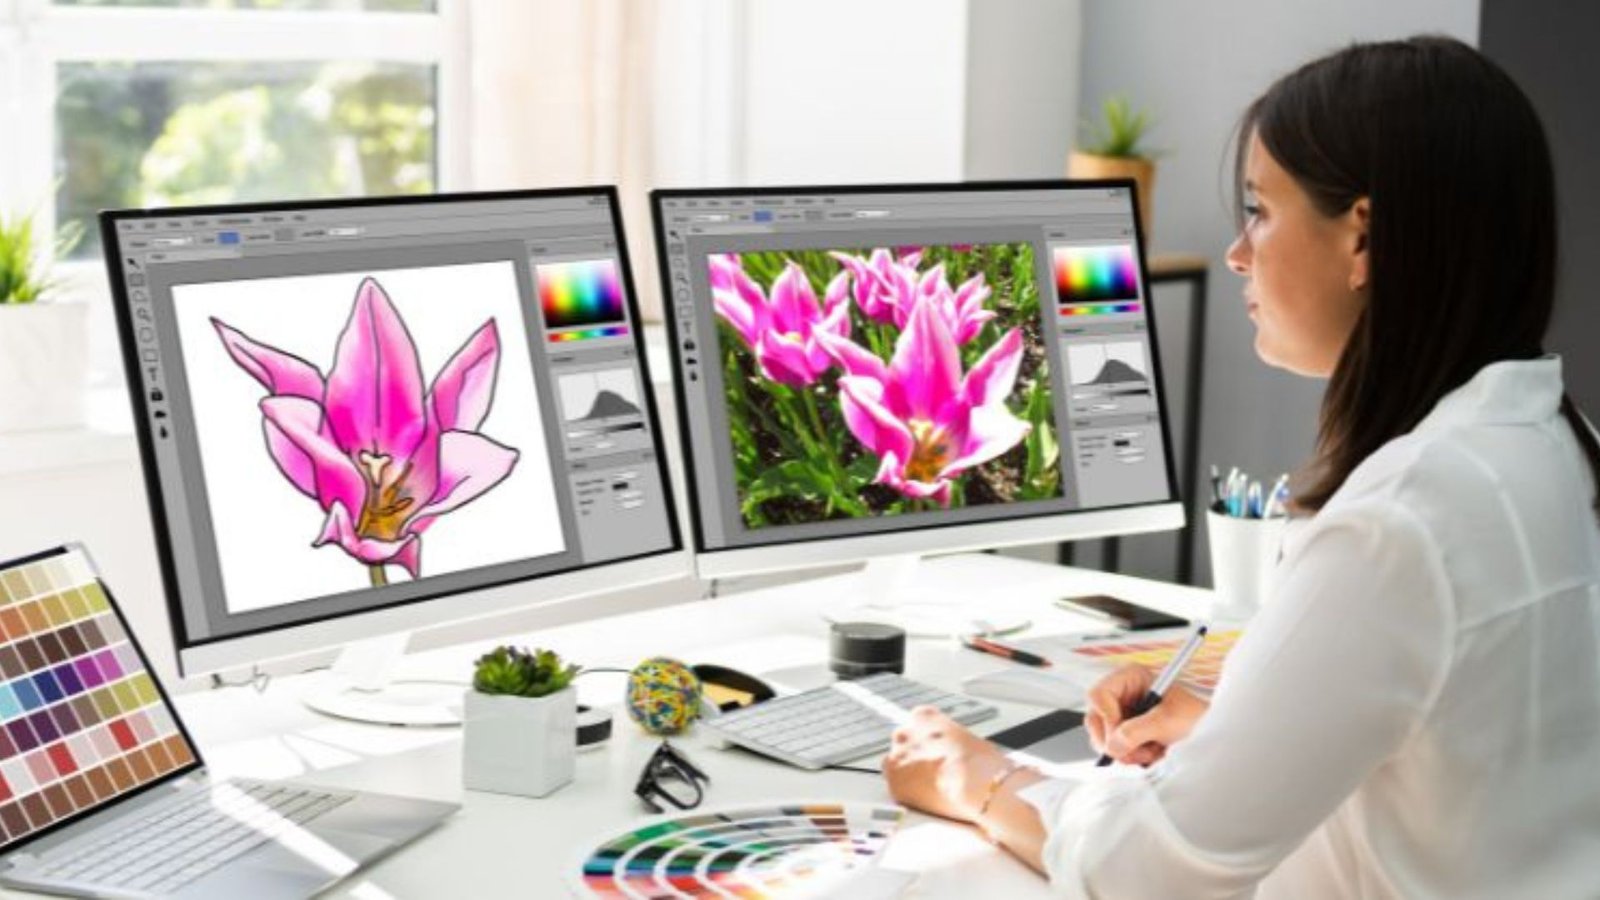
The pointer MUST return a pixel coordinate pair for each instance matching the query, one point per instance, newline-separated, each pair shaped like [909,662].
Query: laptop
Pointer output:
[104,794]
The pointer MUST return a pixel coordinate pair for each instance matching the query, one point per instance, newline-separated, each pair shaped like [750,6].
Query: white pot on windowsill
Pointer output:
[519,745]
[44,360]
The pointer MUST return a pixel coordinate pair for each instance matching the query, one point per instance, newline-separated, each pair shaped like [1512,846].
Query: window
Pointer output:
[116,103]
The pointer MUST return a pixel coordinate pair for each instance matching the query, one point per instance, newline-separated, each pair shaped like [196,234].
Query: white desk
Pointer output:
[500,845]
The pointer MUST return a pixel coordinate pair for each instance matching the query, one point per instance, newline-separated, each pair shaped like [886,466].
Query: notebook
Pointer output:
[97,770]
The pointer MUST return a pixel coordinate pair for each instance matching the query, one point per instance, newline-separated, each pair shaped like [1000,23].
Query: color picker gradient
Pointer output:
[580,294]
[1095,274]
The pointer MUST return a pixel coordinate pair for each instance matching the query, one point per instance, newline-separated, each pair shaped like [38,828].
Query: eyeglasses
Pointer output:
[670,778]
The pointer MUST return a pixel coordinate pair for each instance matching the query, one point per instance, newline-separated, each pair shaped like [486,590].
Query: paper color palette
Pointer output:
[1204,668]
[1095,274]
[580,294]
[790,850]
[81,720]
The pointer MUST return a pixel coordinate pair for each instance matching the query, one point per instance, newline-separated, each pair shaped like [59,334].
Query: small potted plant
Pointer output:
[1110,149]
[520,723]
[44,355]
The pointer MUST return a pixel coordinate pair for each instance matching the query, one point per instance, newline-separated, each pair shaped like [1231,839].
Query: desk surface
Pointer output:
[498,844]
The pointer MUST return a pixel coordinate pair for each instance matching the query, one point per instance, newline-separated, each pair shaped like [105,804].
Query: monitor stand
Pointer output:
[902,591]
[359,687]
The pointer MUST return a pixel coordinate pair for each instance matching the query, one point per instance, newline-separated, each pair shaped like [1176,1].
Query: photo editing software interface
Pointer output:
[855,361]
[359,405]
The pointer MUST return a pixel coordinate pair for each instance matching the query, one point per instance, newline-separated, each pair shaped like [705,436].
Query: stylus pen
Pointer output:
[1164,681]
[984,645]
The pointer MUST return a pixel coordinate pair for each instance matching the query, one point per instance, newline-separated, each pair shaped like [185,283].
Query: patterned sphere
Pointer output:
[663,695]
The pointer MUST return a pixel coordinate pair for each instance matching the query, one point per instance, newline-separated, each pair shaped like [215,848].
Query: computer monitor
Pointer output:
[875,372]
[363,417]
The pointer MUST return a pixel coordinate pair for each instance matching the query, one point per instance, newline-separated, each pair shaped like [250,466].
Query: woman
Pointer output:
[1417,711]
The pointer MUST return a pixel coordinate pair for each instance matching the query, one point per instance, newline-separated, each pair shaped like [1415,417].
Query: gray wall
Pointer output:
[1022,87]
[1548,46]
[1196,66]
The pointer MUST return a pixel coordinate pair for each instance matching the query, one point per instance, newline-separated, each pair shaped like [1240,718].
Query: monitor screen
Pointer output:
[854,361]
[349,406]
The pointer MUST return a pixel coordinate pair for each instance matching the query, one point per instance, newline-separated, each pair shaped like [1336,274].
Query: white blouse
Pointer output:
[1414,713]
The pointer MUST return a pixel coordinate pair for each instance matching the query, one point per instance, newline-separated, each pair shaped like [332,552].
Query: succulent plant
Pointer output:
[508,670]
[1120,132]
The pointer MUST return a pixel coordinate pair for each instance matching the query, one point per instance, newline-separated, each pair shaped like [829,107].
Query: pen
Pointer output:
[1235,503]
[1278,497]
[984,645]
[1163,681]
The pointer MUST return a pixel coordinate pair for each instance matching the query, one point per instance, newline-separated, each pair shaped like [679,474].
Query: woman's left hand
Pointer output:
[938,766]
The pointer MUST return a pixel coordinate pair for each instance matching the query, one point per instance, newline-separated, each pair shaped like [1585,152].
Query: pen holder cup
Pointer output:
[1243,554]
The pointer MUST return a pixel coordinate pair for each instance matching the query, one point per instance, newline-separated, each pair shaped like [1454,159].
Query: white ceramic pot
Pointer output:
[519,745]
[44,363]
[1244,553]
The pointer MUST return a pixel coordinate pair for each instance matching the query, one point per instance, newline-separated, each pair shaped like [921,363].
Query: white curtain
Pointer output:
[563,94]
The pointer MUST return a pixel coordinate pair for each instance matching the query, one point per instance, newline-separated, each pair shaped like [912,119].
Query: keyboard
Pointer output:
[195,834]
[842,721]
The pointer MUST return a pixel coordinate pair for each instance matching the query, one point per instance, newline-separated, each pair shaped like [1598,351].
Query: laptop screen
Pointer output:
[82,721]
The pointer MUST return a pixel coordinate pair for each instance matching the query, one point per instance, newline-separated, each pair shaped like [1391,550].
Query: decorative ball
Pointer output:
[663,695]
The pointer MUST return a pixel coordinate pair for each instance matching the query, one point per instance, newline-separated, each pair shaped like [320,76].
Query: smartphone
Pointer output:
[1120,612]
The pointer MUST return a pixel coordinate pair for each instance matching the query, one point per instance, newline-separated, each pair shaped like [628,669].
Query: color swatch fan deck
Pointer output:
[795,850]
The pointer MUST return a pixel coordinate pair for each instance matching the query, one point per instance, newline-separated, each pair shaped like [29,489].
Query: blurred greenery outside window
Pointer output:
[189,132]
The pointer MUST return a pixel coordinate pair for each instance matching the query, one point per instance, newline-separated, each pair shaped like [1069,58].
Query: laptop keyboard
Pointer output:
[164,850]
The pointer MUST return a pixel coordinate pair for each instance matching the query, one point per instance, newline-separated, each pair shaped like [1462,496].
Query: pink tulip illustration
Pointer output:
[888,288]
[781,330]
[383,455]
[926,421]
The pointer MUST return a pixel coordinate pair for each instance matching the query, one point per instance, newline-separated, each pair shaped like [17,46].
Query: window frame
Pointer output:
[36,36]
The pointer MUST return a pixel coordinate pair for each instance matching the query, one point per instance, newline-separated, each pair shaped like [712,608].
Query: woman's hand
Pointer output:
[1143,740]
[938,766]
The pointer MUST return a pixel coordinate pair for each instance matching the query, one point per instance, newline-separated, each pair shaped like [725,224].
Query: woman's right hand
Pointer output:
[1142,740]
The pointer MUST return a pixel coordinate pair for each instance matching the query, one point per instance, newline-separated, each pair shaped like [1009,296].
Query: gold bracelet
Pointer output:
[993,790]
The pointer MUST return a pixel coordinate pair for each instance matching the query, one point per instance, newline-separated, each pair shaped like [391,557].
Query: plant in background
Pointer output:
[23,278]
[518,673]
[1120,132]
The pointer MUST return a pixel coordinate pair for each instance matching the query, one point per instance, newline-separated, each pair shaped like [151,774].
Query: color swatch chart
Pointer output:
[81,721]
[1202,672]
[1095,277]
[795,850]
[581,300]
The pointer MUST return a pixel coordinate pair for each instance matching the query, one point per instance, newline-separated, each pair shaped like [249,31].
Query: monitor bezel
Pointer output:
[1035,527]
[317,632]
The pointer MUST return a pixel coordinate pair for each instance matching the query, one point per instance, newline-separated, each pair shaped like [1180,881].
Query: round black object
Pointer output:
[594,726]
[857,649]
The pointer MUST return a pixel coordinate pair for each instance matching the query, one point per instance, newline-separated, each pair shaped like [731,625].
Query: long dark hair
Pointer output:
[1462,234]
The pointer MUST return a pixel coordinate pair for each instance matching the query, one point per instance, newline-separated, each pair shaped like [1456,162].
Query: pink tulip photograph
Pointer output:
[368,429]
[882,381]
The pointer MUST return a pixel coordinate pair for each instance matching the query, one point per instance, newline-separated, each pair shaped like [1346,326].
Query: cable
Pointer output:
[256,679]
[861,769]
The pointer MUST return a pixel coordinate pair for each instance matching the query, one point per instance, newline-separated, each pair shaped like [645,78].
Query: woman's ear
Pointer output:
[1359,219]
